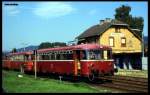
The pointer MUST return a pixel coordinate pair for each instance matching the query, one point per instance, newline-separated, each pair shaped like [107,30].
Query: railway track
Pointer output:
[124,83]
[129,80]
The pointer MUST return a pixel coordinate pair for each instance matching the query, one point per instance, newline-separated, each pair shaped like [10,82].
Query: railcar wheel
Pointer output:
[91,77]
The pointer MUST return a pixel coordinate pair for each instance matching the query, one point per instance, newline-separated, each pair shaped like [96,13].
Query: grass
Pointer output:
[133,73]
[11,83]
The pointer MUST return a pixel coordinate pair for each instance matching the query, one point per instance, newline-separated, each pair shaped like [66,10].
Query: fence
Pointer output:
[144,63]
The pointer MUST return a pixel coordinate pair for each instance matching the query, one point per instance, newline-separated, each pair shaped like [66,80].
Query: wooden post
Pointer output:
[21,69]
[21,66]
[60,77]
[35,64]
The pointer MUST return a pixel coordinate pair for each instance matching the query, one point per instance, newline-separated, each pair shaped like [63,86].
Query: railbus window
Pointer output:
[45,56]
[57,56]
[94,55]
[39,56]
[52,56]
[49,55]
[29,57]
[107,54]
[11,58]
[65,55]
[62,55]
[26,57]
[19,57]
[69,55]
[83,54]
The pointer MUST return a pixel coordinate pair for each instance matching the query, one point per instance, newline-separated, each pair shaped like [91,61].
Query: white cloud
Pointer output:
[92,12]
[52,9]
[11,10]
[14,12]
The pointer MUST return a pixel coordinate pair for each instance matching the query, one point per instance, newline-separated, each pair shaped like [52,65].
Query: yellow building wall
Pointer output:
[133,44]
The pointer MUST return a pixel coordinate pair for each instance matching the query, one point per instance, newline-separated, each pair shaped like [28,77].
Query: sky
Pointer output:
[31,23]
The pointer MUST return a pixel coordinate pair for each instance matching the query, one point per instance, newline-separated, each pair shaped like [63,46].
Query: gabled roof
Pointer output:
[98,29]
[138,32]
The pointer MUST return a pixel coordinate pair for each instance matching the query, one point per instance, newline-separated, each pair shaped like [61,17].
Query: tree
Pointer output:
[122,14]
[44,45]
[14,50]
[137,23]
[58,44]
[51,45]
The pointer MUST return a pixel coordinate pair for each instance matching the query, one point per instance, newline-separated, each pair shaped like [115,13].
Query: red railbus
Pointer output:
[19,60]
[85,60]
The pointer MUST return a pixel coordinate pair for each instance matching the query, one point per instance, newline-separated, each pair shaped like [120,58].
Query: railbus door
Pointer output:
[77,61]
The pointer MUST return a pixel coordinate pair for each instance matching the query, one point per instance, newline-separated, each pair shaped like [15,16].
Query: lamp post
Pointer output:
[143,62]
[142,44]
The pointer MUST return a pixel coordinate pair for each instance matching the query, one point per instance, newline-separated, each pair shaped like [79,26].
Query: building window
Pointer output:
[123,42]
[111,41]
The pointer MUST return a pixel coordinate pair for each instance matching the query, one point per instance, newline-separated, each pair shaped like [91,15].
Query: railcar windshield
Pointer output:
[96,54]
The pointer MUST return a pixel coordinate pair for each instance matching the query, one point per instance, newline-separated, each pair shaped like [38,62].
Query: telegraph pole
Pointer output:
[35,51]
[22,65]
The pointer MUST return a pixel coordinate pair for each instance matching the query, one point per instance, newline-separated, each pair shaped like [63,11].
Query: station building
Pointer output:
[126,43]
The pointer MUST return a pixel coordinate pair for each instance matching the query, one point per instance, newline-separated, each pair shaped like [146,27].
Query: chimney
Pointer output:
[101,22]
[108,20]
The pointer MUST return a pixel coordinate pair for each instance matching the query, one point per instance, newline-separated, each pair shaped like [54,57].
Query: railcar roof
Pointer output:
[20,53]
[76,47]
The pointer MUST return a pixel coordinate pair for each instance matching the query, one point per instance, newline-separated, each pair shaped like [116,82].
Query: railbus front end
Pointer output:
[95,62]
